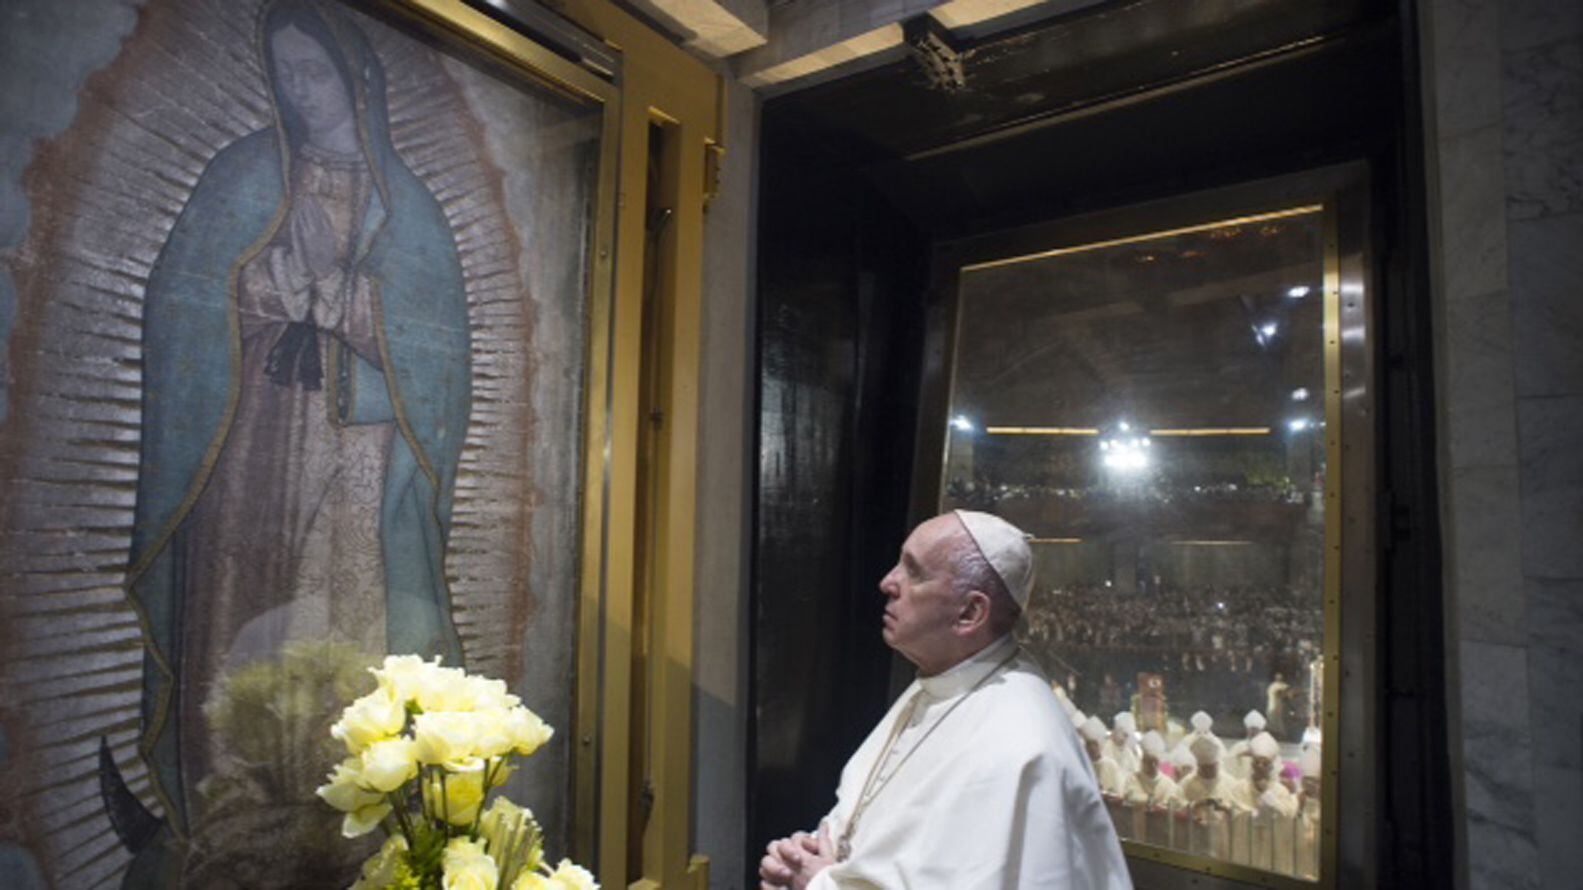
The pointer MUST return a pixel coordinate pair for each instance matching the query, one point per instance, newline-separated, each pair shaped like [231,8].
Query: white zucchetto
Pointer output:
[1005,548]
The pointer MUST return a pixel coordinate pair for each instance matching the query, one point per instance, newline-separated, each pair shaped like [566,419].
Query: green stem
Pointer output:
[489,782]
[445,803]
[399,807]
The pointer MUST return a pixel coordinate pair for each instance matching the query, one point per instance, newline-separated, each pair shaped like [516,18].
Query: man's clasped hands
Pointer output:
[791,862]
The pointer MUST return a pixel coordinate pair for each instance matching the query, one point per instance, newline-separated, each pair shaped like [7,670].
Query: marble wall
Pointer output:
[725,396]
[1505,85]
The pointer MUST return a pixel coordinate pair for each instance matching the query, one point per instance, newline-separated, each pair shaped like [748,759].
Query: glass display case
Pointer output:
[1160,408]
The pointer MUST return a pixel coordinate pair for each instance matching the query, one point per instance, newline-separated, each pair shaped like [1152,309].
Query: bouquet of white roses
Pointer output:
[425,749]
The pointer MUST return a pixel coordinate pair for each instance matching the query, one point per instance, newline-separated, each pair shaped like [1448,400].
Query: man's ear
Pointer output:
[974,613]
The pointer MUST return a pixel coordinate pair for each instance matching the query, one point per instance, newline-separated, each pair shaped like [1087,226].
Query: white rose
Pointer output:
[457,797]
[532,880]
[399,675]
[361,822]
[468,867]
[492,732]
[573,876]
[388,764]
[344,791]
[372,718]
[527,731]
[442,689]
[444,736]
[363,808]
[490,693]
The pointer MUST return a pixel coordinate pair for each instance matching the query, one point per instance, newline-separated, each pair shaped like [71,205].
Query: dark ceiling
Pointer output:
[1166,332]
[1064,115]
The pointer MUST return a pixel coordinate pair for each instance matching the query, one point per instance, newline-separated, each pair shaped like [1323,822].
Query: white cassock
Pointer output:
[1184,748]
[1263,833]
[1238,760]
[1110,776]
[985,786]
[1126,755]
[1160,791]
[1307,855]
[1273,797]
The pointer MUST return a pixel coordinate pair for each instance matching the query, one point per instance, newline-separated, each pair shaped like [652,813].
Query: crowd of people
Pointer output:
[984,495]
[1219,648]
[1253,802]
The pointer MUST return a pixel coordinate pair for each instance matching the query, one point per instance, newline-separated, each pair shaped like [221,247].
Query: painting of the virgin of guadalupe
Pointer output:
[357,290]
[306,393]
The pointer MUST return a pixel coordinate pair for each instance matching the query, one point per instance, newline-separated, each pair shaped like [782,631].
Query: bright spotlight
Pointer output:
[1123,455]
[1300,291]
[962,423]
[1268,329]
[1124,426]
[1298,424]
[1300,394]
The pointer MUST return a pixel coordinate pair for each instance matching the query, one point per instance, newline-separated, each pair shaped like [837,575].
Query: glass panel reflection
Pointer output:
[1152,412]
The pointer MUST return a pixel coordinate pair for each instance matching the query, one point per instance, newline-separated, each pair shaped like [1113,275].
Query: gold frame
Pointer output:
[658,83]
[1339,194]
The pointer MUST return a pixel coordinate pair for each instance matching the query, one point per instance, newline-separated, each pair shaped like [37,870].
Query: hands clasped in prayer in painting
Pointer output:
[975,776]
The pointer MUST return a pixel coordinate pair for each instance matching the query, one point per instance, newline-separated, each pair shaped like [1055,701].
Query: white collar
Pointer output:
[968,672]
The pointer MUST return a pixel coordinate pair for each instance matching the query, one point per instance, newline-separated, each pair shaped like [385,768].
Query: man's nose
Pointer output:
[887,584]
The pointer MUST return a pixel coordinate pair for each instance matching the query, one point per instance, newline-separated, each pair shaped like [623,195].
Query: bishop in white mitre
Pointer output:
[1107,771]
[1237,756]
[975,777]
[1147,786]
[1203,728]
[1122,745]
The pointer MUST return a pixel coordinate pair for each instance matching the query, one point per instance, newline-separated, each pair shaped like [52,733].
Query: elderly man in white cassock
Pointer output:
[1238,756]
[975,778]
[1206,786]
[1203,728]
[1308,813]
[1122,746]
[1147,786]
[1107,771]
[1260,791]
[1266,841]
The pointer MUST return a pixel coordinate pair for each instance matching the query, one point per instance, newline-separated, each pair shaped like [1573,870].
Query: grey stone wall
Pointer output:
[1506,91]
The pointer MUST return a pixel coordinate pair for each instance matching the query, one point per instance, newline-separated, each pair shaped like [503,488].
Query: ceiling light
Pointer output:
[1300,291]
[962,423]
[1123,456]
[1300,394]
[1298,424]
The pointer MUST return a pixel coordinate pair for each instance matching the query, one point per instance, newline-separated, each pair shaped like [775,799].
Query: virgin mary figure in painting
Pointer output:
[306,396]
